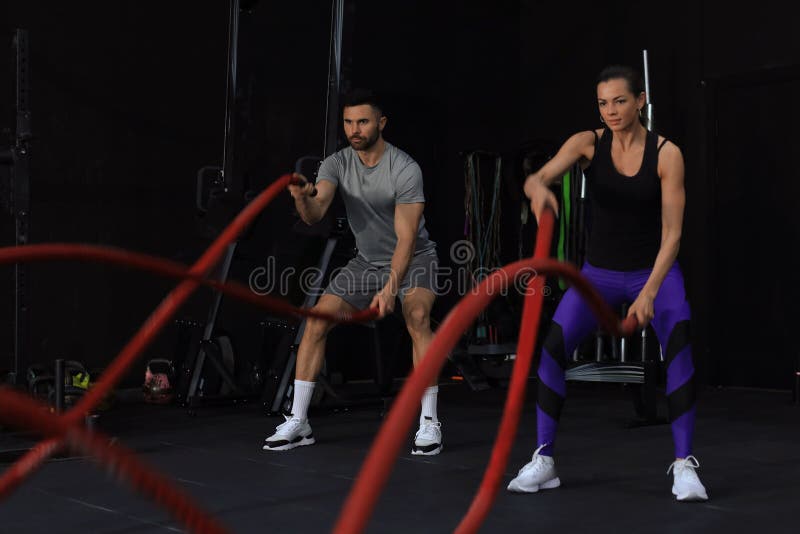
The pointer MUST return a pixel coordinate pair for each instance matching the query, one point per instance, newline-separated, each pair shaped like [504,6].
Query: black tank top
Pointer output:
[625,211]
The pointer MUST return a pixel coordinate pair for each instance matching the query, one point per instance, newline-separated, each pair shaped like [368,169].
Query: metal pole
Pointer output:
[648,107]
[20,195]
[644,344]
[230,102]
[598,346]
[334,79]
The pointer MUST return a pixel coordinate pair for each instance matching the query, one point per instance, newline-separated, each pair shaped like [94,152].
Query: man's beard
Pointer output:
[364,143]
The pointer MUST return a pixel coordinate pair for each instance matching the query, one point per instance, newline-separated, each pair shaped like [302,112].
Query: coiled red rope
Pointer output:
[382,455]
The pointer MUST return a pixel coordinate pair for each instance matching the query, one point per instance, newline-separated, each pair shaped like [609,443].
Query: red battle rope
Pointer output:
[65,430]
[382,455]
[168,268]
[61,430]
[19,410]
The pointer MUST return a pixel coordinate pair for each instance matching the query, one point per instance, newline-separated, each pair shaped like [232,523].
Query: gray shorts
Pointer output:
[358,281]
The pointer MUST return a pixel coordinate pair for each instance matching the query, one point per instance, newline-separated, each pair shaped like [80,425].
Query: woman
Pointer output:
[637,197]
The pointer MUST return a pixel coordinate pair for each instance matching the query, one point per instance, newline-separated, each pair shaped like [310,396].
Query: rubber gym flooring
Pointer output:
[613,475]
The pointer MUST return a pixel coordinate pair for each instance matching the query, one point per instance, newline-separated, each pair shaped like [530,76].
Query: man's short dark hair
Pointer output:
[360,96]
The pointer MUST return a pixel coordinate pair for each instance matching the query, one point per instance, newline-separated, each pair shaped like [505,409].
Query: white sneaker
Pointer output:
[686,485]
[290,434]
[539,473]
[428,439]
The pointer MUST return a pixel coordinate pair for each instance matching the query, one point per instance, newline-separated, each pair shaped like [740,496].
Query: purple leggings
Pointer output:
[573,321]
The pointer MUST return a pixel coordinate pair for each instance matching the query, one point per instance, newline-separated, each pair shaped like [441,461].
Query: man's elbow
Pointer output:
[406,241]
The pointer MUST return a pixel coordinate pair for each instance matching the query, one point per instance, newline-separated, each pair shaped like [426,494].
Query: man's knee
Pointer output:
[417,319]
[316,329]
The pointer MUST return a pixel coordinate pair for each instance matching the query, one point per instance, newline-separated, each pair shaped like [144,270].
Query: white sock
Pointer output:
[302,398]
[429,403]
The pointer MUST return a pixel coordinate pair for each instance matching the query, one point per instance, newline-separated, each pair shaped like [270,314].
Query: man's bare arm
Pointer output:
[313,208]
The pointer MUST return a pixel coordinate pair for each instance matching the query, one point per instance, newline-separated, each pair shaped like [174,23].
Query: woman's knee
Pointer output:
[668,319]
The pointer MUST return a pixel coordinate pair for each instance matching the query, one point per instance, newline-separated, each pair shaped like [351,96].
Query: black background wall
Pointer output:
[129,97]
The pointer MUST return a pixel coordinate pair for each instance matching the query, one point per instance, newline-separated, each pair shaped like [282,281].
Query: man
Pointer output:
[382,191]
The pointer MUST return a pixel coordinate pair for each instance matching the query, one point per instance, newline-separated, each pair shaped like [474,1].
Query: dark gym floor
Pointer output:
[613,477]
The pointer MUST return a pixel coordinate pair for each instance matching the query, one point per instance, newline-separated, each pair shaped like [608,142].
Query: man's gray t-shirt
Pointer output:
[370,195]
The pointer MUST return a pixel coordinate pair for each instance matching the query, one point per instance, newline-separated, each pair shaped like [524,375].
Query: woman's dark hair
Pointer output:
[630,75]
